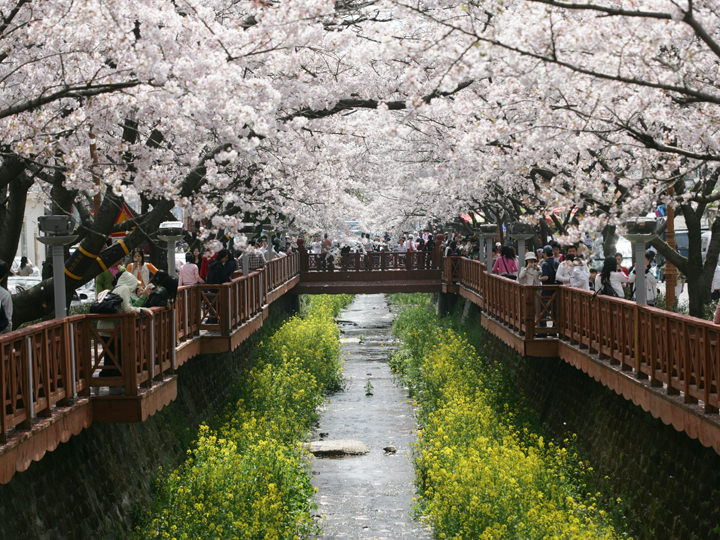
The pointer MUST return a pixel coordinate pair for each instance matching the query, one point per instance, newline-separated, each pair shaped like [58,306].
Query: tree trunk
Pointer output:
[85,264]
[13,213]
[610,239]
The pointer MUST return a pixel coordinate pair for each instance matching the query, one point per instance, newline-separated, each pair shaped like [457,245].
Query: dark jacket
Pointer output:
[219,272]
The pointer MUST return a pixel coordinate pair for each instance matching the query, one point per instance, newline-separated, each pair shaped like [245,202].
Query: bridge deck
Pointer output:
[369,282]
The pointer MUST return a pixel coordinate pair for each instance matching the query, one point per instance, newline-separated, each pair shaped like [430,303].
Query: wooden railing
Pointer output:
[676,351]
[376,261]
[48,364]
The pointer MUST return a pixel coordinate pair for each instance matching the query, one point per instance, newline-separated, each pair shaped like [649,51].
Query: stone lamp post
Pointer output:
[171,232]
[640,231]
[58,233]
[487,232]
[521,233]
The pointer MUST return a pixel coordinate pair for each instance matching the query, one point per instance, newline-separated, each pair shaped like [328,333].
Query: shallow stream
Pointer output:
[368,496]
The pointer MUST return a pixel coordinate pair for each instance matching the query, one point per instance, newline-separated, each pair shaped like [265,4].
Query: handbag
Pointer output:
[107,303]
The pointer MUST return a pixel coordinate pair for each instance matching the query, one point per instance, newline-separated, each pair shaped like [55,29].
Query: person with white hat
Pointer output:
[530,273]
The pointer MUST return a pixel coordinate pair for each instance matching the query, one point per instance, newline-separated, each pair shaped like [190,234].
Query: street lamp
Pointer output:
[171,232]
[58,233]
[521,233]
[640,231]
[487,233]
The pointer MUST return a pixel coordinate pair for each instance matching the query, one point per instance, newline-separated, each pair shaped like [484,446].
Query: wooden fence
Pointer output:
[677,352]
[49,364]
[376,261]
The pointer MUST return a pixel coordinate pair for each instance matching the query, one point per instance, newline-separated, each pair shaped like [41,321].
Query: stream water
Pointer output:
[368,496]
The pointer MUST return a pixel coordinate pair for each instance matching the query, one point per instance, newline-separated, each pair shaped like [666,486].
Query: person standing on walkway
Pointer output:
[610,281]
[547,277]
[506,264]
[256,258]
[221,268]
[189,273]
[325,252]
[619,266]
[564,269]
[580,275]
[6,303]
[140,269]
[530,273]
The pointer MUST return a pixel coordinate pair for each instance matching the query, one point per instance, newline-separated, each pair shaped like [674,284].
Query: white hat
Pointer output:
[530,255]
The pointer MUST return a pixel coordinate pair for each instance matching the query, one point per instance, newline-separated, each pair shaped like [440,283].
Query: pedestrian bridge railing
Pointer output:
[374,261]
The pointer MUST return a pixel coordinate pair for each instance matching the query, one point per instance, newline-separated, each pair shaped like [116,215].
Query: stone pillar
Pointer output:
[521,233]
[640,231]
[487,234]
[521,239]
[639,241]
[58,259]
[57,243]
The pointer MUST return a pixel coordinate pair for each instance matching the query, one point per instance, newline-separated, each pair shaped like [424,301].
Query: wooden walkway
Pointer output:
[53,384]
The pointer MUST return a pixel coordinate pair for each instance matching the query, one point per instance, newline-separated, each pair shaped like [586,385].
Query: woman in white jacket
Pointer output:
[610,282]
[530,273]
[125,286]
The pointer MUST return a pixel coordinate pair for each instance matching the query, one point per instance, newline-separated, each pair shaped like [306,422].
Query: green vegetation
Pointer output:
[249,477]
[483,470]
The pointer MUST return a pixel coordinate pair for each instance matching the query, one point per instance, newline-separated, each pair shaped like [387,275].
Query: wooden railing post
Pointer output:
[636,317]
[223,304]
[129,353]
[529,298]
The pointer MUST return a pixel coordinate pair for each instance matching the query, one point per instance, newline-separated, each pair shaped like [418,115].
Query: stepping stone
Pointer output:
[338,448]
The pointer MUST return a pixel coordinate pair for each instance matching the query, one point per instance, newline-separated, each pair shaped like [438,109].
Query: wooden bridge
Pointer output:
[51,373]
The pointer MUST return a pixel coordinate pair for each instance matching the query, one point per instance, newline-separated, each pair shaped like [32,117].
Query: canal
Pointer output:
[368,496]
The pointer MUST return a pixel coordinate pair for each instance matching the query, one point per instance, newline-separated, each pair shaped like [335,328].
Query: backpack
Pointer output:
[606,289]
[157,298]
[107,303]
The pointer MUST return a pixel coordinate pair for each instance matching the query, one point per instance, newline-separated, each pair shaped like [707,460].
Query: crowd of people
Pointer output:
[553,266]
[549,265]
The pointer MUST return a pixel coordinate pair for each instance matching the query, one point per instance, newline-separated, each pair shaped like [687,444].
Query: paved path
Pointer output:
[370,496]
